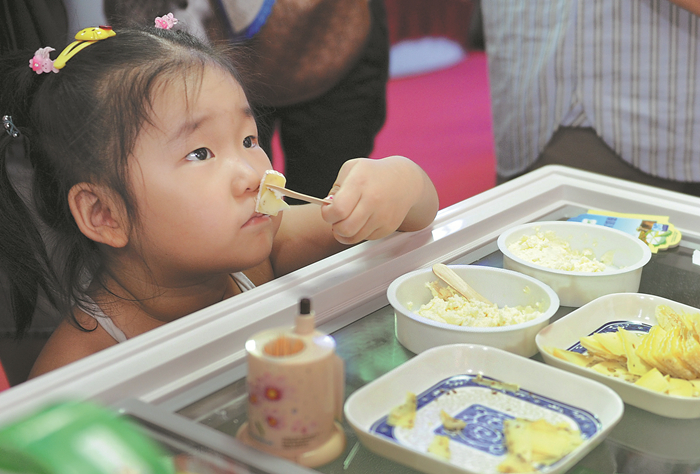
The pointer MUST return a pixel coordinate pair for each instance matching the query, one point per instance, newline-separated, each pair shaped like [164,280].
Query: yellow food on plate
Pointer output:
[451,424]
[404,415]
[666,360]
[507,386]
[535,443]
[268,201]
[440,446]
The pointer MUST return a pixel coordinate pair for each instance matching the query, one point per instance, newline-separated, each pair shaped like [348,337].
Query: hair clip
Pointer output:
[10,126]
[41,62]
[84,38]
[166,22]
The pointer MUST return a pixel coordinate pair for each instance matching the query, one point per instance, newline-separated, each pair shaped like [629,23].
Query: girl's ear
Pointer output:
[99,214]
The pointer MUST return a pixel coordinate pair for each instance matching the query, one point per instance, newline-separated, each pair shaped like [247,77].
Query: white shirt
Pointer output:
[627,68]
[118,335]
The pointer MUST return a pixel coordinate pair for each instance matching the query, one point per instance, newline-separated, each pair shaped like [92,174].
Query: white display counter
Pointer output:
[195,366]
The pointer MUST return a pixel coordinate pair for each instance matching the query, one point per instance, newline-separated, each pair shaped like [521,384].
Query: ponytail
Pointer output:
[23,256]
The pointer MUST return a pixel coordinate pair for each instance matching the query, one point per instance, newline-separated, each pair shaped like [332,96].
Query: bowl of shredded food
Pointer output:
[508,312]
[579,261]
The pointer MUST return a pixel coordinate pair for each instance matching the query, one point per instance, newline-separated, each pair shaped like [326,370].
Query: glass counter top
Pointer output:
[641,442]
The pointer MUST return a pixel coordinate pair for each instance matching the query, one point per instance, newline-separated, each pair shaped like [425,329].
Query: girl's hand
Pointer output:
[373,198]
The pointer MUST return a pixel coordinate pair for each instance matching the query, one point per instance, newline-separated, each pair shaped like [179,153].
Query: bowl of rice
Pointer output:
[579,261]
[429,313]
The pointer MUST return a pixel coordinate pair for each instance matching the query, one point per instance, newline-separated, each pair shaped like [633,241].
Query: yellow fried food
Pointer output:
[451,424]
[440,446]
[404,415]
[630,342]
[531,444]
[666,360]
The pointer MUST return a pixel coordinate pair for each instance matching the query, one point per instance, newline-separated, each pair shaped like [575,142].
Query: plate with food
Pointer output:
[468,408]
[645,347]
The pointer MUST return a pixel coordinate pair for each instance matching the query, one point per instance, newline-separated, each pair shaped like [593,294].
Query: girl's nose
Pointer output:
[245,179]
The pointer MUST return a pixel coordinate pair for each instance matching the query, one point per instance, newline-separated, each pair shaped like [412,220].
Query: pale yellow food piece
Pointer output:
[583,360]
[667,317]
[440,446]
[615,368]
[269,202]
[630,342]
[513,464]
[612,343]
[649,347]
[507,386]
[680,387]
[653,380]
[535,443]
[404,415]
[696,387]
[594,347]
[451,424]
[691,350]
[670,353]
[692,321]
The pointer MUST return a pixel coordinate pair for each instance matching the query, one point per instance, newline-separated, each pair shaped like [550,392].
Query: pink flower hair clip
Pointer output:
[41,62]
[166,22]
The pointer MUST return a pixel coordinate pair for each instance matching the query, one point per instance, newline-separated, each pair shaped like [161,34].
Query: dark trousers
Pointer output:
[319,135]
[582,148]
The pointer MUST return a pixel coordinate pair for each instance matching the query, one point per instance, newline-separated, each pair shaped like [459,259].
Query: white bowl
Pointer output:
[502,287]
[634,311]
[629,255]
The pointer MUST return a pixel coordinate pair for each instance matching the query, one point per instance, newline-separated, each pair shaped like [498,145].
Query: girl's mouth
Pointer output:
[256,217]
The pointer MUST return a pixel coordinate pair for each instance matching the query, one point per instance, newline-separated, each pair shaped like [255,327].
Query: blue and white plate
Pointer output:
[633,311]
[510,386]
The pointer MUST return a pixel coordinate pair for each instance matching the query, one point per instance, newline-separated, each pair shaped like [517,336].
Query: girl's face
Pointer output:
[195,173]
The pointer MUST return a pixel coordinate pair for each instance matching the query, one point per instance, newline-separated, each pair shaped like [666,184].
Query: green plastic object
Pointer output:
[79,437]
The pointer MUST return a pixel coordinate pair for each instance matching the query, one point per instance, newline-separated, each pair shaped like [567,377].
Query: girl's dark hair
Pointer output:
[79,125]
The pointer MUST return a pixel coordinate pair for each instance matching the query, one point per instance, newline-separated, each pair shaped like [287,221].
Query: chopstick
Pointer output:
[448,275]
[299,196]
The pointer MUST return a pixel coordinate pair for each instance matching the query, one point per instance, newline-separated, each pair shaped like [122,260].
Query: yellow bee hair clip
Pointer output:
[83,39]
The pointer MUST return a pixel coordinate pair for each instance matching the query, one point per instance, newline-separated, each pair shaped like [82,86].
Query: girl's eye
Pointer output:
[200,154]
[250,141]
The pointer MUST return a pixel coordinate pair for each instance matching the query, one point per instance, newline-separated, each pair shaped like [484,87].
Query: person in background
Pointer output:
[319,69]
[605,86]
[141,141]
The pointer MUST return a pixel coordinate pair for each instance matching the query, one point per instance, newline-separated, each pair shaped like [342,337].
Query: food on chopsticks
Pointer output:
[404,415]
[448,306]
[270,201]
[666,360]
[532,444]
[546,249]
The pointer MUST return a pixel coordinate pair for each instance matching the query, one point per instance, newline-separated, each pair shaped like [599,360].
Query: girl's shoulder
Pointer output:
[69,343]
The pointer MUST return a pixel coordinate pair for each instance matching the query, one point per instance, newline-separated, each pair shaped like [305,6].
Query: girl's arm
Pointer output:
[371,199]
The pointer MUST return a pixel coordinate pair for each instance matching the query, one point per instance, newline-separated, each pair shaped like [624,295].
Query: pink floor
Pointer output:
[442,121]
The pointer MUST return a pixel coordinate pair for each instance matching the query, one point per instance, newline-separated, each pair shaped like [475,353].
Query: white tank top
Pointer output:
[108,325]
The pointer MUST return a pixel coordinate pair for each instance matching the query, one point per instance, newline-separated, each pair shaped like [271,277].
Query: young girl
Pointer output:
[146,170]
